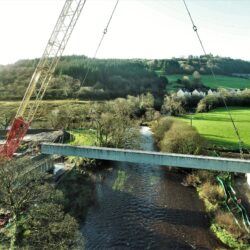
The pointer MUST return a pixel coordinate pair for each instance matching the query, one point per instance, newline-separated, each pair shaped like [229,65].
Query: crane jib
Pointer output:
[42,75]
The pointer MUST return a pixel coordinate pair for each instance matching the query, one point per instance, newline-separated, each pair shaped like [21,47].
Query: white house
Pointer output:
[210,92]
[196,92]
[186,93]
[180,93]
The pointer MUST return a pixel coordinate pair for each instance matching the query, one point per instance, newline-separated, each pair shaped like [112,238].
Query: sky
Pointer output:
[139,28]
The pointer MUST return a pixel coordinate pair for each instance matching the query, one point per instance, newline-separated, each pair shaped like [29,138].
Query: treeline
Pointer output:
[178,105]
[106,79]
[210,102]
[203,64]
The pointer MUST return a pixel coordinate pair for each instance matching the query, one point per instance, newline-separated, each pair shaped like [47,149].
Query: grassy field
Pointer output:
[83,137]
[217,128]
[223,81]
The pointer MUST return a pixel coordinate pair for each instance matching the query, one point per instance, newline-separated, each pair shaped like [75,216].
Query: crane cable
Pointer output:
[105,31]
[216,82]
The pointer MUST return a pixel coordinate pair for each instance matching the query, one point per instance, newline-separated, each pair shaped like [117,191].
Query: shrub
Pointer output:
[207,175]
[227,238]
[226,220]
[197,177]
[212,195]
[160,127]
[192,180]
[182,138]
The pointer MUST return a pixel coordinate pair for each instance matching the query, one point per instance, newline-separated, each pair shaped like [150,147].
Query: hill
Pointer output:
[112,78]
[107,79]
[208,81]
[230,73]
[220,65]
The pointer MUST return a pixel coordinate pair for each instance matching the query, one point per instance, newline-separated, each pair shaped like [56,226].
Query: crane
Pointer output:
[42,76]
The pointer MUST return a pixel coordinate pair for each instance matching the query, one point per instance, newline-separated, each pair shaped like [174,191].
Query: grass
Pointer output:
[223,81]
[226,82]
[83,137]
[217,128]
[227,238]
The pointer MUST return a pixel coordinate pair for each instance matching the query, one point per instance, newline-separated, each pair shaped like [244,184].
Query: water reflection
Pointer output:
[119,183]
[145,207]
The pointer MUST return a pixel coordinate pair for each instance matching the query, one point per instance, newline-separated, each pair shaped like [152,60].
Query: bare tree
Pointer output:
[19,189]
[26,193]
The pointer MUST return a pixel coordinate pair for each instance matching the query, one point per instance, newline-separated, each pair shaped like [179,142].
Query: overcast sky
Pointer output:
[139,29]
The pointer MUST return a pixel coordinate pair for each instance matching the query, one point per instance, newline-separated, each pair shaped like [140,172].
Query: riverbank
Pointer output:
[140,206]
[221,204]
[175,136]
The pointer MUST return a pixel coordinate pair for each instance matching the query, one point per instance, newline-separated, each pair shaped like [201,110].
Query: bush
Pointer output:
[227,238]
[226,220]
[192,180]
[212,196]
[207,175]
[160,127]
[197,177]
[182,138]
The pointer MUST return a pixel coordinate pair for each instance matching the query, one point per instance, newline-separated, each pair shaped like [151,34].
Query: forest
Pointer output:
[203,64]
[106,79]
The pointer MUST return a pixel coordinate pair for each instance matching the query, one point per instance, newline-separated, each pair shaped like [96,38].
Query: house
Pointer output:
[196,93]
[180,93]
[210,92]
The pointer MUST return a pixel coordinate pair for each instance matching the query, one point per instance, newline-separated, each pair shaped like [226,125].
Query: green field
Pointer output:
[208,80]
[83,137]
[217,128]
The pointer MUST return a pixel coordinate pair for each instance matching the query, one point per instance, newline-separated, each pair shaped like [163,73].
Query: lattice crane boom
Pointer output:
[42,75]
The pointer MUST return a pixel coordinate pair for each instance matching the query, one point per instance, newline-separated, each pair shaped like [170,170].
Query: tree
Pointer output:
[114,123]
[19,190]
[25,193]
[182,139]
[6,120]
[61,118]
[147,101]
[172,67]
[196,76]
[48,227]
[173,104]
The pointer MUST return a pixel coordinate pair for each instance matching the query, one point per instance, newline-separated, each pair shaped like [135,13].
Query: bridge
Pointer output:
[147,157]
[43,163]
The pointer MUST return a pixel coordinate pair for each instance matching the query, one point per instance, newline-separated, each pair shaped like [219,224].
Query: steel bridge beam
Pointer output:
[147,157]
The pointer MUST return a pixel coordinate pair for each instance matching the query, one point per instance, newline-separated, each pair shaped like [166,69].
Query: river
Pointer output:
[141,206]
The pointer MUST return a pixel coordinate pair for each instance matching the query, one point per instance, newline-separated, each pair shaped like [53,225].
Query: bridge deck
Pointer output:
[154,158]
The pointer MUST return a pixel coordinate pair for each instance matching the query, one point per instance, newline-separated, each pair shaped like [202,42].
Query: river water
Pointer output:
[140,206]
